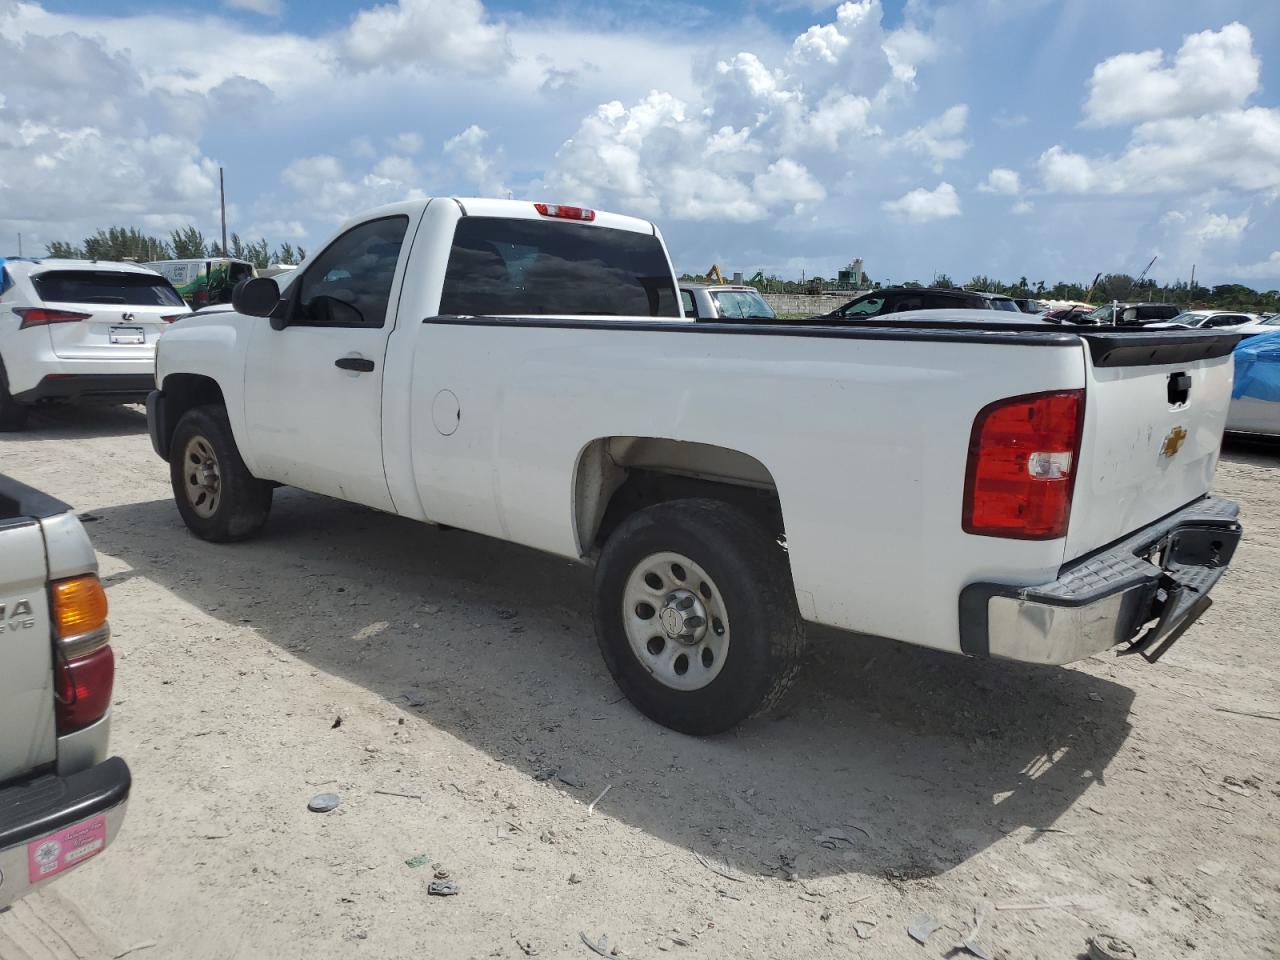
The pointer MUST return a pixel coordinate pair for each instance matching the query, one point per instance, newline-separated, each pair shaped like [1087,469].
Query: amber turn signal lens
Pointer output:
[79,605]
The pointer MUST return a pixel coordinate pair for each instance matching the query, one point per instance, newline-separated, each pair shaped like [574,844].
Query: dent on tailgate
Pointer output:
[1151,440]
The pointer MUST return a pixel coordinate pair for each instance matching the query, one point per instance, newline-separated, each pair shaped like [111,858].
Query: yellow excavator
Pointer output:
[714,275]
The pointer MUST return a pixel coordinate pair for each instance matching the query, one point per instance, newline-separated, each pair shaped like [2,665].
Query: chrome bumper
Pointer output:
[1145,591]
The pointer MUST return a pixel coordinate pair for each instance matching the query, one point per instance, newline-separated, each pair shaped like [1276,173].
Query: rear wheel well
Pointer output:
[618,476]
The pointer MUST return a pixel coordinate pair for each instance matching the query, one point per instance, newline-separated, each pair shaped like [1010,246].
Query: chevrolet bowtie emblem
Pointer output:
[1173,442]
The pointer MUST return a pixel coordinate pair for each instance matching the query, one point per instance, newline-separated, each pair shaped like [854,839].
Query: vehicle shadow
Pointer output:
[914,760]
[83,421]
[1252,448]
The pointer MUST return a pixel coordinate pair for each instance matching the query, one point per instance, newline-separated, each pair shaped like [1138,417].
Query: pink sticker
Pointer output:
[65,849]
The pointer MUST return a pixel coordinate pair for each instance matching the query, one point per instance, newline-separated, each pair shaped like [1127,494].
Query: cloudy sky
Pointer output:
[1007,137]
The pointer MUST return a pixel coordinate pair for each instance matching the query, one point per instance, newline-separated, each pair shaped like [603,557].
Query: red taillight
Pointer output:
[1023,455]
[84,669]
[565,213]
[175,316]
[41,316]
[83,687]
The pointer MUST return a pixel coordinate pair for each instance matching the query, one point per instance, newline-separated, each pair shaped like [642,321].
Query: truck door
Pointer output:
[313,391]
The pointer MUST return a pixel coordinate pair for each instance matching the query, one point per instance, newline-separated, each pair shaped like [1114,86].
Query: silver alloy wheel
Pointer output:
[676,621]
[202,477]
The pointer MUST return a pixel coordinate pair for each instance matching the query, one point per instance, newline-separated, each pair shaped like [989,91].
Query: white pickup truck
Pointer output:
[1007,489]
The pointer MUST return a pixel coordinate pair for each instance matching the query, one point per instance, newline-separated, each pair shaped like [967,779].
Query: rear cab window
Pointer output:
[106,286]
[502,266]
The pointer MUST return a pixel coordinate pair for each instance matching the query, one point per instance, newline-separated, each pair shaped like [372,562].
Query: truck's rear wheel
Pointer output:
[13,415]
[219,499]
[696,616]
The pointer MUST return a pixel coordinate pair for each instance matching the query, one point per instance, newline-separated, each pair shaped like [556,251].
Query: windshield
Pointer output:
[106,286]
[743,305]
[1003,305]
[1188,319]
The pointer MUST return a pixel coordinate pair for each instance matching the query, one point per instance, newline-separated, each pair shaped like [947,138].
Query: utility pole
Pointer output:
[19,244]
[222,194]
[1191,290]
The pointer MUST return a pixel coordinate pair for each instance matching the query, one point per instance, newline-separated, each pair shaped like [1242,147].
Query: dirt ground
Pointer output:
[478,725]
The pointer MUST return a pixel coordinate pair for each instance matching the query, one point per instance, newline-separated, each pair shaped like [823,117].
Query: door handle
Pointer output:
[359,364]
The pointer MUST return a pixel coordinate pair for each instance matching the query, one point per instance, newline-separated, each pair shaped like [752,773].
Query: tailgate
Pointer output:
[106,314]
[120,333]
[27,735]
[1155,410]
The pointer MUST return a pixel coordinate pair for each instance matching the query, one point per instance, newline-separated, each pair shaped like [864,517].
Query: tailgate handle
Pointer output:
[1179,388]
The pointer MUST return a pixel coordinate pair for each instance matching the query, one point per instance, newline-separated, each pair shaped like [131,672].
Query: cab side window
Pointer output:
[689,304]
[349,284]
[869,307]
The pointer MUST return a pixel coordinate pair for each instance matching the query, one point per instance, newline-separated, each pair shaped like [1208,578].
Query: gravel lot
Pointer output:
[478,725]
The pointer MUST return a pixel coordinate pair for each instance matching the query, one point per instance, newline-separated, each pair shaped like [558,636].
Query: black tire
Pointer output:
[242,501]
[750,571]
[13,415]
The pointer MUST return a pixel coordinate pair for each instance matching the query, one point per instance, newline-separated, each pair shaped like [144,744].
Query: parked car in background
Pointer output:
[1027,305]
[79,329]
[711,301]
[204,282]
[1133,314]
[523,371]
[1255,395]
[1214,319]
[899,299]
[1079,314]
[62,799]
[1267,323]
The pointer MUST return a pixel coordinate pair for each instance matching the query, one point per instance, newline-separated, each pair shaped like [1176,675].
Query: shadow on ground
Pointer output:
[1252,448]
[82,421]
[931,756]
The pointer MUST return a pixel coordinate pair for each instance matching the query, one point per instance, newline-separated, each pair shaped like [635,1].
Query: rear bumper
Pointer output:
[1145,591]
[50,825]
[117,387]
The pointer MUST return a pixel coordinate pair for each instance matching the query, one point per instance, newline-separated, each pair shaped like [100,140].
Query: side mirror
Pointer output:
[256,297]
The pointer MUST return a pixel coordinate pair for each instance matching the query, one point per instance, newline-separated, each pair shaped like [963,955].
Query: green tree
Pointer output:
[942,280]
[125,243]
[189,244]
[64,251]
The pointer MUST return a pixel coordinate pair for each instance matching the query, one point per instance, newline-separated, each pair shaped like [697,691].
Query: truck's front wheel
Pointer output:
[219,499]
[696,616]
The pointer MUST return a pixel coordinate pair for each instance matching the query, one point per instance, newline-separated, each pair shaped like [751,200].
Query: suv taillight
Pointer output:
[1023,456]
[84,667]
[42,316]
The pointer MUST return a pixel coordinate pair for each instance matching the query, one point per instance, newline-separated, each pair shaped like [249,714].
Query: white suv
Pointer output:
[72,329]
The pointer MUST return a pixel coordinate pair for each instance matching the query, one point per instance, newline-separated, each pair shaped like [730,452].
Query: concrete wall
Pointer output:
[808,305]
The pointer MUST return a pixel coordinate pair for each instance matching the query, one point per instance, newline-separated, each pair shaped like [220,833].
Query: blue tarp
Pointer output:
[1258,368]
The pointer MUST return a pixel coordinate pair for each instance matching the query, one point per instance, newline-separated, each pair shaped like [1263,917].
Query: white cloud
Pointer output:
[1003,181]
[427,34]
[1022,208]
[1220,227]
[921,205]
[1268,269]
[1238,149]
[764,136]
[327,191]
[1213,71]
[940,138]
[478,162]
[407,143]
[268,8]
